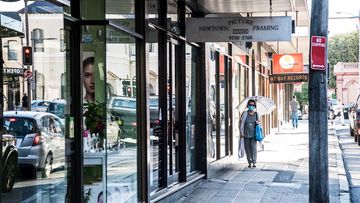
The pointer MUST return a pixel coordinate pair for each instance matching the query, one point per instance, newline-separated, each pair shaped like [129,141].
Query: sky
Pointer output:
[336,26]
[348,8]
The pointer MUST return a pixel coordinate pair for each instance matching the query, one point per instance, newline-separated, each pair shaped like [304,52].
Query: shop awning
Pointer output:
[10,24]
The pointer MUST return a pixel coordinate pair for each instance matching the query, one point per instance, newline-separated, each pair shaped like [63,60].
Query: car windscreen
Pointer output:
[57,109]
[124,103]
[19,127]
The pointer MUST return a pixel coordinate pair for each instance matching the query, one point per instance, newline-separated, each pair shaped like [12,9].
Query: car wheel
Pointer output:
[47,166]
[9,174]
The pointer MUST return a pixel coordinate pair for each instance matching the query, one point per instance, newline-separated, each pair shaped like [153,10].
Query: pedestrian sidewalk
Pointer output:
[281,174]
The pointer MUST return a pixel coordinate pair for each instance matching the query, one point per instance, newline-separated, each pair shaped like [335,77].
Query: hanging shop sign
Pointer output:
[13,71]
[288,63]
[289,78]
[237,29]
[318,52]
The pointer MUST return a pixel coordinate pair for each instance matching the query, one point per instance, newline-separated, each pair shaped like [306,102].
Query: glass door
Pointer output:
[173,135]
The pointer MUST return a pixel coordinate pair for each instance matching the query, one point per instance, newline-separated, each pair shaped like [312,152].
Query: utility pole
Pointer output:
[318,123]
[27,44]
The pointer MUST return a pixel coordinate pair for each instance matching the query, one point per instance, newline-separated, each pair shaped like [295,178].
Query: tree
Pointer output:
[302,97]
[342,48]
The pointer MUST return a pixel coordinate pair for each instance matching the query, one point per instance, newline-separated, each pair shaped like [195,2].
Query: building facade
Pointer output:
[347,77]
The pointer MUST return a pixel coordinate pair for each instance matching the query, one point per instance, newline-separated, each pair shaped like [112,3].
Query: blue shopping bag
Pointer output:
[259,136]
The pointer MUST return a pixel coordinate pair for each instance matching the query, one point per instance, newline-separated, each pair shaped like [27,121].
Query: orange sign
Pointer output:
[288,63]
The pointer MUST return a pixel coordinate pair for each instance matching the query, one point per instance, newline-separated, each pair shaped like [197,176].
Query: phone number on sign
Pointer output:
[241,37]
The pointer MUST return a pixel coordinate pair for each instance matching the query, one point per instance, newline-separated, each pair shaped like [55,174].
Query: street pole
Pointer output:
[318,123]
[27,44]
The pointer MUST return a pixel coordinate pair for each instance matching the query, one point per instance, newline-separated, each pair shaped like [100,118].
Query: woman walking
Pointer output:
[248,121]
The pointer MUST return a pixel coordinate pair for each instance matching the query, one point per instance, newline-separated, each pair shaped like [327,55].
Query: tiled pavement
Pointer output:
[281,174]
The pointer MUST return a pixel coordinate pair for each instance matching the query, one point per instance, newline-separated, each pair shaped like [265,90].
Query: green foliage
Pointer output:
[342,48]
[302,97]
[95,115]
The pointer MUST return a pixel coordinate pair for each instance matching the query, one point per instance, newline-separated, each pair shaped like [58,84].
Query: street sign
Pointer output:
[27,74]
[238,29]
[318,52]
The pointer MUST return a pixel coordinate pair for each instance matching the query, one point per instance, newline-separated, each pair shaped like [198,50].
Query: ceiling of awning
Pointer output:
[297,9]
[251,6]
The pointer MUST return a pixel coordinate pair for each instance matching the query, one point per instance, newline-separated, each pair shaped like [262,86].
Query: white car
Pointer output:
[39,105]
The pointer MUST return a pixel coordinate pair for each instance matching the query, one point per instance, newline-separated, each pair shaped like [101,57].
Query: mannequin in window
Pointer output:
[89,79]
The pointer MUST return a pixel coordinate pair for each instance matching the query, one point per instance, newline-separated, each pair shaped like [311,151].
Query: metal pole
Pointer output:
[27,44]
[318,123]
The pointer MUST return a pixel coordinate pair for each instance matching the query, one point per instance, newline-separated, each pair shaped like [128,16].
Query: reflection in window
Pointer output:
[62,40]
[191,108]
[212,106]
[121,132]
[38,40]
[12,50]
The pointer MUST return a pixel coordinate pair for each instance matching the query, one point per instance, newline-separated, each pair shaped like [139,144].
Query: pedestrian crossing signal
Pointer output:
[27,56]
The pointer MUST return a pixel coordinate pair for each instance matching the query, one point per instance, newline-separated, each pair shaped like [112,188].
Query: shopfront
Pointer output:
[113,113]
[133,111]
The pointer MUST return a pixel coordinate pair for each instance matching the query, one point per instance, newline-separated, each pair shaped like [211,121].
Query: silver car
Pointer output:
[39,137]
[39,105]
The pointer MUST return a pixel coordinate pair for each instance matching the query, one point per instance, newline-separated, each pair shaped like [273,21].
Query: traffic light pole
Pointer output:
[318,108]
[27,44]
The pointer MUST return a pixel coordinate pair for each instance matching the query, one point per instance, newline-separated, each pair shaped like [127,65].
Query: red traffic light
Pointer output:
[27,56]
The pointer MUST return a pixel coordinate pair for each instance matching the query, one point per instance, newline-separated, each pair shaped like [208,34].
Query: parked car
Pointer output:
[39,105]
[354,119]
[9,162]
[39,137]
[125,109]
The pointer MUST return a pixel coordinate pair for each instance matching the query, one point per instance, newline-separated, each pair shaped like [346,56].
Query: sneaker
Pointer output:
[254,165]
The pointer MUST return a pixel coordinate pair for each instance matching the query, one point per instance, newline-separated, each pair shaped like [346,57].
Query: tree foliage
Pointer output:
[342,48]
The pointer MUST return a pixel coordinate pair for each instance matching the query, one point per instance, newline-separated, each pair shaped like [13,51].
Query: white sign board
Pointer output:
[236,29]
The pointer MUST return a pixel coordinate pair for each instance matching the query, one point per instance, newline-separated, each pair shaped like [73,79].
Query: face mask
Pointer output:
[251,108]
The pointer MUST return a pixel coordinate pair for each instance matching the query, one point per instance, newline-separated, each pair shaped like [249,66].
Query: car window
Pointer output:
[57,109]
[45,124]
[58,126]
[154,102]
[19,127]
[124,103]
[52,126]
[43,103]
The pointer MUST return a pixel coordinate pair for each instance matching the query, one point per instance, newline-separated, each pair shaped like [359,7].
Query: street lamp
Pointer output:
[358,29]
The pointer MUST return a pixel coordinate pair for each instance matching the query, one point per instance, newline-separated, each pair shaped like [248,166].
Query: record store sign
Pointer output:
[237,29]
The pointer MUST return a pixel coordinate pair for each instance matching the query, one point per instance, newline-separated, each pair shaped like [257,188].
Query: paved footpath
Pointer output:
[281,174]
[351,155]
